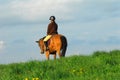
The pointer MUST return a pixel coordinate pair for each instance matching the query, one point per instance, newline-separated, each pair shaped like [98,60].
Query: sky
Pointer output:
[89,25]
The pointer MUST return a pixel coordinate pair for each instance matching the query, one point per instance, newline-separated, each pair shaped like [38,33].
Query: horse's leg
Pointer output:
[54,56]
[47,55]
[63,52]
[59,54]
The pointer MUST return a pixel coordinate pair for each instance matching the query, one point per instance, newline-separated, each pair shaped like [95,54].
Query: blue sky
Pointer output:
[89,25]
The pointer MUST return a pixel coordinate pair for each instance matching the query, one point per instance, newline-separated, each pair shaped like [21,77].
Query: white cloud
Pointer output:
[1,44]
[36,9]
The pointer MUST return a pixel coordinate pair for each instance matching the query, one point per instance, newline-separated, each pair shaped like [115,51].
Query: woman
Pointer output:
[51,30]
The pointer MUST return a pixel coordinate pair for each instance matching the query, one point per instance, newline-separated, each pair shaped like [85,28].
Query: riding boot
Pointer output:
[46,45]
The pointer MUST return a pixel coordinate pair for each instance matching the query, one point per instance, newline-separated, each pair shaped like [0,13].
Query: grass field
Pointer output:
[99,66]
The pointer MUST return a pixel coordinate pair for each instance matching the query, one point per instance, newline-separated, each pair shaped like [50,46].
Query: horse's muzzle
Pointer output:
[42,52]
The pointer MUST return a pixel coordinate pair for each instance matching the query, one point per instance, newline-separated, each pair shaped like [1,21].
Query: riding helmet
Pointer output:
[52,18]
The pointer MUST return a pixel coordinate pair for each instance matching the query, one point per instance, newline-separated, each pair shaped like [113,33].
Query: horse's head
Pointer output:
[41,45]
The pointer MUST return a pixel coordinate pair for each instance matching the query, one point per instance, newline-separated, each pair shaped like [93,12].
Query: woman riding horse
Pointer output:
[53,43]
[51,30]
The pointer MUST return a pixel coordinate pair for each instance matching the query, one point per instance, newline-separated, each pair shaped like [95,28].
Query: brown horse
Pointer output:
[56,44]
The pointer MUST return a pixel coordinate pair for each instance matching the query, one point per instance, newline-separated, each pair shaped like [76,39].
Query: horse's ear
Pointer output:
[37,41]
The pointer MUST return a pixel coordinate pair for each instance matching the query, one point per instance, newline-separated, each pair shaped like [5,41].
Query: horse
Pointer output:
[57,44]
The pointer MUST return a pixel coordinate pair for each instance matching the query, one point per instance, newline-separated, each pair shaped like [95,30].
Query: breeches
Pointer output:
[47,38]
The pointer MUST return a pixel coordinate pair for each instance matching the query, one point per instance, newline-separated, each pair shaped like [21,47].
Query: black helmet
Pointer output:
[52,18]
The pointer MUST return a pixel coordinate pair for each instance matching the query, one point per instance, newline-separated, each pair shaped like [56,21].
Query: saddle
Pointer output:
[48,41]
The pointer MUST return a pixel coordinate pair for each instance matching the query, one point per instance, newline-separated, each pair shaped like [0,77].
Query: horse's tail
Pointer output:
[64,45]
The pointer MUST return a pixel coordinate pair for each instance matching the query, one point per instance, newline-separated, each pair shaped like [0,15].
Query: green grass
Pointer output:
[99,66]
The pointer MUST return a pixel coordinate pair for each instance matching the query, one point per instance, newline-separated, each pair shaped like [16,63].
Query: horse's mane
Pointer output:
[43,37]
